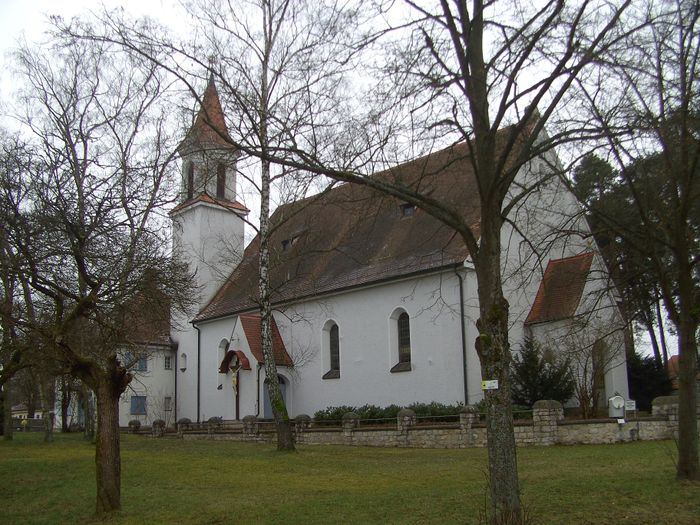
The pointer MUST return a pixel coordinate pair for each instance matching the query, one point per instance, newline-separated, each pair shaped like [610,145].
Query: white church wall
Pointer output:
[366,354]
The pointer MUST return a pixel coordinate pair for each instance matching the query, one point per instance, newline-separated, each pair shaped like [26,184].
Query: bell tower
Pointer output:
[208,221]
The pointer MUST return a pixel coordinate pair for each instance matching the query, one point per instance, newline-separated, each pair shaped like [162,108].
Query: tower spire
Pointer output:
[208,155]
[209,128]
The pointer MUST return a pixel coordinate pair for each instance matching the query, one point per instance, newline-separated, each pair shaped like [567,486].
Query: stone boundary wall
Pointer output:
[548,427]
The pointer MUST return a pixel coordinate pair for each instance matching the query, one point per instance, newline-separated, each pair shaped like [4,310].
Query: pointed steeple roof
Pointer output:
[209,128]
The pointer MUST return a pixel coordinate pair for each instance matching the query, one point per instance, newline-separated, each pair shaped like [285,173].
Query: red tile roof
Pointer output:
[226,362]
[561,288]
[145,318]
[252,329]
[209,127]
[352,235]
[204,197]
[673,368]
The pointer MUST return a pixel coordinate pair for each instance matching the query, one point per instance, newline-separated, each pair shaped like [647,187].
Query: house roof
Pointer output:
[561,289]
[146,318]
[251,327]
[209,128]
[673,368]
[352,235]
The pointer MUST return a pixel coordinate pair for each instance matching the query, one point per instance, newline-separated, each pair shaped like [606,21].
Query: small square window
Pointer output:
[168,362]
[408,209]
[142,363]
[288,243]
[138,405]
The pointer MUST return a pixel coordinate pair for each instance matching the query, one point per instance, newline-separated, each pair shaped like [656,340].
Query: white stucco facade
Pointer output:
[151,393]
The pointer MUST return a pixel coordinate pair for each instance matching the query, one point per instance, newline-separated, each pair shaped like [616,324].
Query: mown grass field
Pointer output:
[171,481]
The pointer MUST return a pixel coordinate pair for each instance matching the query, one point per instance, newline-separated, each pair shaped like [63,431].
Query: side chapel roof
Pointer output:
[561,289]
[251,328]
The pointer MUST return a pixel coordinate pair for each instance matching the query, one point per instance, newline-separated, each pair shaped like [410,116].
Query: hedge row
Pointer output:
[433,409]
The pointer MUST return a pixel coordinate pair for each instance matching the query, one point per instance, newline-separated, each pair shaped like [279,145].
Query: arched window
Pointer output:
[404,328]
[400,340]
[221,181]
[331,343]
[223,345]
[335,348]
[189,170]
[183,361]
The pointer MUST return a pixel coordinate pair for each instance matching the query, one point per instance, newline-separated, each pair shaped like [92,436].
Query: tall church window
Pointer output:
[400,340]
[331,343]
[190,179]
[404,328]
[335,348]
[221,181]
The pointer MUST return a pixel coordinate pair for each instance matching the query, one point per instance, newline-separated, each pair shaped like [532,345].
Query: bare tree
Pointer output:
[279,64]
[86,219]
[645,101]
[473,74]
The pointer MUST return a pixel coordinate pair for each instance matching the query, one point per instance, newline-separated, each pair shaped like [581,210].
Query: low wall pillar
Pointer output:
[301,424]
[545,416]
[350,422]
[667,406]
[468,415]
[250,426]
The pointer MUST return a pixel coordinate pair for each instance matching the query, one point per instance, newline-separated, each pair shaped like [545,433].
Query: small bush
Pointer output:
[332,414]
[134,425]
[538,374]
[184,423]
[158,428]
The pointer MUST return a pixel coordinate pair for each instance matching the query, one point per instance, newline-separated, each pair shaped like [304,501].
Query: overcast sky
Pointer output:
[28,19]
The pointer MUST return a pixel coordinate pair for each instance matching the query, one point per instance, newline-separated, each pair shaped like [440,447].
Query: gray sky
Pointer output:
[27,19]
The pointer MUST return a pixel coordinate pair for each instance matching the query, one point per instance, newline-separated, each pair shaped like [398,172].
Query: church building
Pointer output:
[374,300]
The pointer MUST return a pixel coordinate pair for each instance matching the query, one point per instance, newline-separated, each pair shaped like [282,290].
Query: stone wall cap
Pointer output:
[350,415]
[665,400]
[469,409]
[250,418]
[547,403]
[405,412]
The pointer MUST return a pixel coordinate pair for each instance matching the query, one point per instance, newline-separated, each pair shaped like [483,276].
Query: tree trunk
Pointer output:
[285,437]
[7,412]
[66,393]
[687,403]
[46,398]
[654,341]
[493,348]
[662,331]
[107,453]
[88,416]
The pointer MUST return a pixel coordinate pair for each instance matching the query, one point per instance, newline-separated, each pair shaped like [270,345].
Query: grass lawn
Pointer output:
[172,481]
